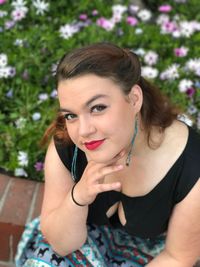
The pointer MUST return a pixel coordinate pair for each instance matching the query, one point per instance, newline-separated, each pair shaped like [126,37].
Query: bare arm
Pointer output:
[183,238]
[63,223]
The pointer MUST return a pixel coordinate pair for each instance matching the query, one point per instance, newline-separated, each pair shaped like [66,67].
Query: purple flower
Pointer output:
[190,91]
[54,93]
[95,12]
[165,8]
[25,75]
[83,17]
[9,24]
[39,166]
[9,94]
[132,21]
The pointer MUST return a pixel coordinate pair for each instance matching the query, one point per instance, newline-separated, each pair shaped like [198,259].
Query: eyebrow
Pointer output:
[87,103]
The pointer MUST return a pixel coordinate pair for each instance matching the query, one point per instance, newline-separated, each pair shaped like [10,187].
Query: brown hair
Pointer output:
[123,67]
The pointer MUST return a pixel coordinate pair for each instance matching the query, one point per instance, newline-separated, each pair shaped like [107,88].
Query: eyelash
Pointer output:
[100,108]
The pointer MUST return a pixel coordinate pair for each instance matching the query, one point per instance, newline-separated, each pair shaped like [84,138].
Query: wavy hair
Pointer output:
[123,67]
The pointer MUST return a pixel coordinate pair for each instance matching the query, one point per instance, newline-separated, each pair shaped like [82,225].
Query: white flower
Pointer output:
[139,51]
[144,14]
[36,116]
[171,73]
[3,60]
[43,96]
[184,118]
[184,85]
[193,64]
[18,14]
[41,6]
[186,28]
[11,71]
[22,158]
[54,93]
[151,58]
[116,18]
[149,72]
[195,25]
[67,31]
[192,110]
[176,33]
[7,72]
[3,13]
[18,4]
[138,31]
[20,172]
[133,9]
[163,18]
[19,42]
[20,123]
[119,9]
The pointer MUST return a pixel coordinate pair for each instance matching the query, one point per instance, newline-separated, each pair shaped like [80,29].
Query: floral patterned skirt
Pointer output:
[105,247]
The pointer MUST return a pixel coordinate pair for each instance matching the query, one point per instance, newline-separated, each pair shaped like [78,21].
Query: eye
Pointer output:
[69,116]
[98,108]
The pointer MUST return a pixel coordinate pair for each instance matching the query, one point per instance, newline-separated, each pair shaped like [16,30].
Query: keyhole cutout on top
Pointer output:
[117,207]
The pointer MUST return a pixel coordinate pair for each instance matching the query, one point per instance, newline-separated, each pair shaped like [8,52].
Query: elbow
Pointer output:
[63,247]
[64,250]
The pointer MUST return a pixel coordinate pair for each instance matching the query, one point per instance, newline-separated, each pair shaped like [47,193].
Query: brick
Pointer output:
[3,183]
[18,200]
[10,236]
[22,201]
[38,203]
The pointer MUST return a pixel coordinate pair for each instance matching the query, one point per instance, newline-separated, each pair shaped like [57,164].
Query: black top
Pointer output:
[148,215]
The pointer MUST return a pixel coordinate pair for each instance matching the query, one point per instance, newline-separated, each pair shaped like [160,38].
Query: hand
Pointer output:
[92,180]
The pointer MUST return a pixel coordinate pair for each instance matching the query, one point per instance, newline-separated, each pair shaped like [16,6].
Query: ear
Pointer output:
[136,97]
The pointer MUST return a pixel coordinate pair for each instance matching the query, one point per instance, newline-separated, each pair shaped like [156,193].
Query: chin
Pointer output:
[102,157]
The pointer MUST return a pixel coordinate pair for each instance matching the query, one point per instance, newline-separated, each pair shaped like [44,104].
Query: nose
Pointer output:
[86,127]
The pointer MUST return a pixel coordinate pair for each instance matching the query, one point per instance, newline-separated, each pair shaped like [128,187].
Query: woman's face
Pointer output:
[99,119]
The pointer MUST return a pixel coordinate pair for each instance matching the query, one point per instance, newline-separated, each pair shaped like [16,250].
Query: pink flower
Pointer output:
[83,16]
[39,166]
[181,52]
[165,8]
[169,27]
[2,2]
[105,23]
[95,12]
[132,21]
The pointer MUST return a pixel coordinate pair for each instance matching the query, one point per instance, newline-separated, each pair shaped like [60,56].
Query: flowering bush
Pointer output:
[35,34]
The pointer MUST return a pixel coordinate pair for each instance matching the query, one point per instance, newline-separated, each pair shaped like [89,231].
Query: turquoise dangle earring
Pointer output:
[73,169]
[128,159]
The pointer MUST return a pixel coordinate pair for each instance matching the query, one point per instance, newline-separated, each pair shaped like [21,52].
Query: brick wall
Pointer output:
[20,202]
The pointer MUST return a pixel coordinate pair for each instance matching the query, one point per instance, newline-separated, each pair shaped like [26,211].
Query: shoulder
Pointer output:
[188,164]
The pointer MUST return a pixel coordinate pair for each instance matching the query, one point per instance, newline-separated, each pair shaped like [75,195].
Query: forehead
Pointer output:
[83,87]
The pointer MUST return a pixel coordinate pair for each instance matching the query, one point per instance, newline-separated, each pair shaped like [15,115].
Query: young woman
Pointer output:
[122,183]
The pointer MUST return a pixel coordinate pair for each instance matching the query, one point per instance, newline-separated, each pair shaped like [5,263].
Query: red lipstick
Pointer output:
[93,144]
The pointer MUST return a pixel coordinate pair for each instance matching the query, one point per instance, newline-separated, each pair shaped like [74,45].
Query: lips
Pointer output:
[94,144]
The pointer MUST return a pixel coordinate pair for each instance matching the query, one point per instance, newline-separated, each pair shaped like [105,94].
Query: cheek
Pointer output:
[72,132]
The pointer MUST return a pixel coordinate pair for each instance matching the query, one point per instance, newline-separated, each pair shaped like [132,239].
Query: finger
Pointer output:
[107,187]
[102,172]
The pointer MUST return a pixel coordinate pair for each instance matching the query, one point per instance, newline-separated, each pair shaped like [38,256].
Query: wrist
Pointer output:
[74,198]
